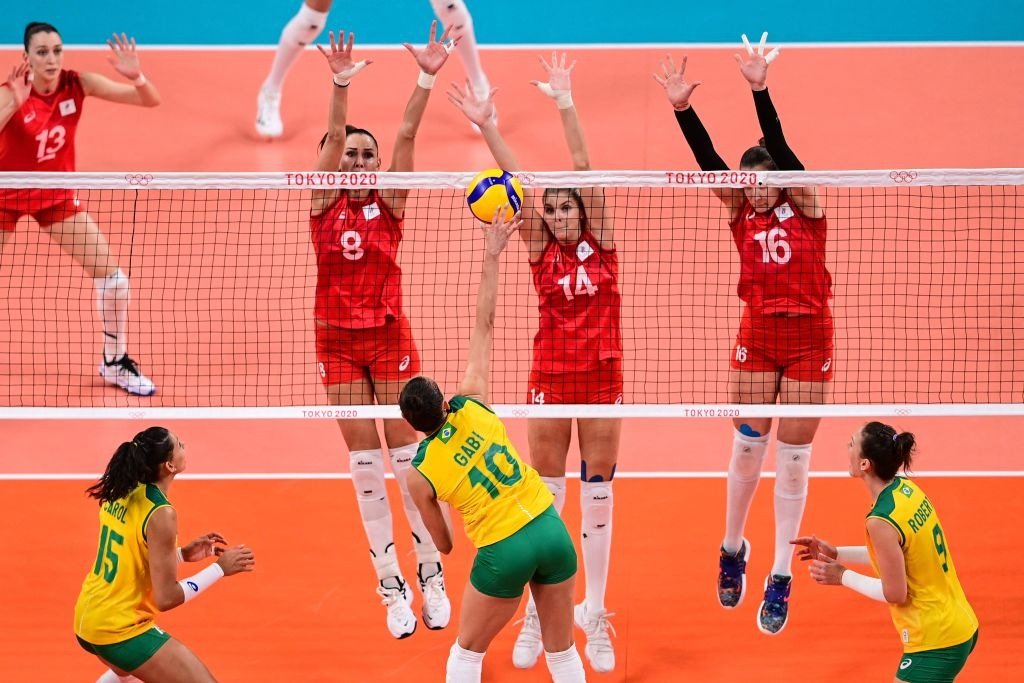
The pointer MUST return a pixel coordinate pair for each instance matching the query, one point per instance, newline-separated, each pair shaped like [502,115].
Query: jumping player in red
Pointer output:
[577,352]
[783,351]
[364,345]
[40,106]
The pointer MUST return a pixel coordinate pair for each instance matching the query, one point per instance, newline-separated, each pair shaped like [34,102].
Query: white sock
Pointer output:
[110,677]
[464,666]
[372,496]
[300,31]
[744,474]
[454,12]
[566,666]
[401,462]
[557,487]
[112,297]
[596,502]
[792,463]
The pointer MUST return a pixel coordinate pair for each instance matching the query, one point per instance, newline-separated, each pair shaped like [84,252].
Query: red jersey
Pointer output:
[577,285]
[359,283]
[782,259]
[40,136]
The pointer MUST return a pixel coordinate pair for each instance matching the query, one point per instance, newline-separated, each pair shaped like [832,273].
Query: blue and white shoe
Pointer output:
[774,611]
[732,576]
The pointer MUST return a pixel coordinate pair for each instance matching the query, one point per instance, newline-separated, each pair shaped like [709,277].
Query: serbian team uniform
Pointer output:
[936,622]
[40,137]
[787,324]
[577,351]
[116,600]
[360,327]
[506,509]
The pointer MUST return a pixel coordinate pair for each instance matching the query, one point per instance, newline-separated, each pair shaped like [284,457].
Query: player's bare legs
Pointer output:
[81,238]
[174,663]
[454,13]
[300,31]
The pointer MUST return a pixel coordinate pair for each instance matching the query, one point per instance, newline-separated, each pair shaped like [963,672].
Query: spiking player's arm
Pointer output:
[474,383]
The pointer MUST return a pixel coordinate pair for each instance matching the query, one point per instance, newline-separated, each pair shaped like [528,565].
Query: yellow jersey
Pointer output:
[472,465]
[936,613]
[116,601]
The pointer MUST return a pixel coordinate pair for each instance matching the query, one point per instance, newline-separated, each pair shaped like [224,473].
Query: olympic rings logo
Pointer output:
[136,414]
[520,412]
[902,411]
[903,176]
[138,178]
[526,178]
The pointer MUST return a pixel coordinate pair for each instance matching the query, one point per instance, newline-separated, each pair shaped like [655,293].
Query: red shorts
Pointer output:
[799,347]
[602,384]
[387,353]
[45,206]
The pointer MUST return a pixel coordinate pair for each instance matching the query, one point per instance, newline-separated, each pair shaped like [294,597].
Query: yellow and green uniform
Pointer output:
[936,613]
[506,508]
[472,465]
[116,600]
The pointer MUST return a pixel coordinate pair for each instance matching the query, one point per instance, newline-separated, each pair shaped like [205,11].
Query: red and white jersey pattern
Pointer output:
[40,136]
[782,259]
[359,282]
[578,288]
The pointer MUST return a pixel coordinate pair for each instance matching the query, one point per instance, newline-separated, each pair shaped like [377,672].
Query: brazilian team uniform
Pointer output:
[506,508]
[114,614]
[937,626]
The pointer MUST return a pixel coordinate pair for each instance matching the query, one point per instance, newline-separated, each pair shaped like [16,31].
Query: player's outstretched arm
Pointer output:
[14,91]
[430,511]
[496,236]
[679,90]
[125,59]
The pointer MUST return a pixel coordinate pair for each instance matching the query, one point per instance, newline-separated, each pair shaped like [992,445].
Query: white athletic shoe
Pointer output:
[401,620]
[437,608]
[124,373]
[599,648]
[268,114]
[528,643]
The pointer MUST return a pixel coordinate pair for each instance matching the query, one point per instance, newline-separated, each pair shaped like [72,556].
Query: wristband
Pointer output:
[564,100]
[140,81]
[867,586]
[340,81]
[197,583]
[425,80]
[853,553]
[181,556]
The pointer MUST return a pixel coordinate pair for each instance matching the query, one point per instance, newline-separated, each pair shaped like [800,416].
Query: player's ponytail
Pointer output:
[134,462]
[758,157]
[38,27]
[888,450]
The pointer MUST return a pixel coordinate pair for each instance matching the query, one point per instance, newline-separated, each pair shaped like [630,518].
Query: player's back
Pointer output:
[936,613]
[116,601]
[472,465]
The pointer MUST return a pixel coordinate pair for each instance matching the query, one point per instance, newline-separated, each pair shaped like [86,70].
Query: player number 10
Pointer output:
[478,478]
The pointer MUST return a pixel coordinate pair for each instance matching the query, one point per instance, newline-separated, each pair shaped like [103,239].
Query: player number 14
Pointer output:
[583,284]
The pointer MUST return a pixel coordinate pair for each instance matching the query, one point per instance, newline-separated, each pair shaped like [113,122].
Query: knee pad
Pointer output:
[113,287]
[792,465]
[453,13]
[596,503]
[367,469]
[305,26]
[747,456]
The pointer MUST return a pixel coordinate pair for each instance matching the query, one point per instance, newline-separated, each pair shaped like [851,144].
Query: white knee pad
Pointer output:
[557,487]
[305,26]
[792,465]
[113,287]
[367,469]
[453,13]
[596,503]
[747,456]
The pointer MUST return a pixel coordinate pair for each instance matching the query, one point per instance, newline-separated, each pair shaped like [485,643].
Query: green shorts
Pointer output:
[130,654]
[541,551]
[935,666]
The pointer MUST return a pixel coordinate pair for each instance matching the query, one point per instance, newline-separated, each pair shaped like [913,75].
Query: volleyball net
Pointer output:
[927,271]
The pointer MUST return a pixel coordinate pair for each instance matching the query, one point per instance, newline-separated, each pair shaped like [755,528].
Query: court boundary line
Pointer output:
[519,47]
[331,476]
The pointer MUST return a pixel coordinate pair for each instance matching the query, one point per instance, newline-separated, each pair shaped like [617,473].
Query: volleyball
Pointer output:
[491,189]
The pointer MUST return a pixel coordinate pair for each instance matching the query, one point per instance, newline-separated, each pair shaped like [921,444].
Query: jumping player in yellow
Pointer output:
[135,573]
[909,552]
[468,461]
